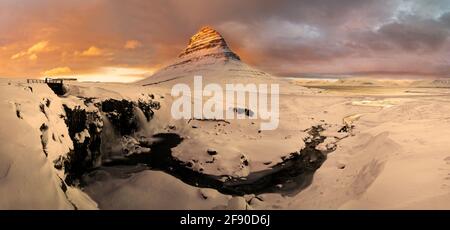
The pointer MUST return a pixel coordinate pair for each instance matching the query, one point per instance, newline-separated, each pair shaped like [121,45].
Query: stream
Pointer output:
[288,177]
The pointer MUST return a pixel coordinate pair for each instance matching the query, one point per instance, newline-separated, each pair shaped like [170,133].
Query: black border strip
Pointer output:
[146,219]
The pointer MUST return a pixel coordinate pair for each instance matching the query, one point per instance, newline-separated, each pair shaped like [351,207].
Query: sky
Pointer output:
[114,40]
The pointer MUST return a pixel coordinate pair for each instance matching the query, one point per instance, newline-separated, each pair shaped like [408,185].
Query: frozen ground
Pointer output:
[396,157]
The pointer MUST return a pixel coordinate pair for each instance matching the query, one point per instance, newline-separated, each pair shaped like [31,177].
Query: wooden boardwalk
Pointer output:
[55,84]
[46,81]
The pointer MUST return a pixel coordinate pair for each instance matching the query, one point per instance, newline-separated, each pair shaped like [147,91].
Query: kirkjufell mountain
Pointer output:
[209,55]
[207,43]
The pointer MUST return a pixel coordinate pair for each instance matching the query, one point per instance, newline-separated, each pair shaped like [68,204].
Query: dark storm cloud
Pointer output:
[415,34]
[445,20]
[414,37]
[409,34]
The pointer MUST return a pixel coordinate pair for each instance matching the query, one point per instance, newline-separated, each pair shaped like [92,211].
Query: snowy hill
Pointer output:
[34,139]
[207,54]
[378,82]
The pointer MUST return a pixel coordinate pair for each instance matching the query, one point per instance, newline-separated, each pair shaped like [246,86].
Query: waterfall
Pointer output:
[110,146]
[143,124]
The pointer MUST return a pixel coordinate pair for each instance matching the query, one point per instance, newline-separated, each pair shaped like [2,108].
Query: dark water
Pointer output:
[290,176]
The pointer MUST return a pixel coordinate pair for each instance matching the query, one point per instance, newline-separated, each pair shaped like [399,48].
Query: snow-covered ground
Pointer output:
[378,81]
[33,137]
[396,157]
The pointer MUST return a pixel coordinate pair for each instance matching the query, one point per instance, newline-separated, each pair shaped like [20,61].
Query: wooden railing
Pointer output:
[46,81]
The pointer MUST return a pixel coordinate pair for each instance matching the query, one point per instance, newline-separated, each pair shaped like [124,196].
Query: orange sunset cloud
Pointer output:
[57,71]
[92,52]
[132,44]
[286,39]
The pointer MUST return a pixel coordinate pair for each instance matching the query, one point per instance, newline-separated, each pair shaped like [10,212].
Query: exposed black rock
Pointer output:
[44,137]
[245,111]
[147,107]
[63,186]
[341,166]
[211,152]
[244,160]
[121,114]
[58,88]
[86,152]
[18,112]
[87,100]
[59,163]
[42,109]
[47,102]
[75,119]
[345,129]
[211,120]
[85,129]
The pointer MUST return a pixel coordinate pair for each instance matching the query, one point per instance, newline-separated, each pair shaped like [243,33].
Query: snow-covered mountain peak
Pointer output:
[208,55]
[207,42]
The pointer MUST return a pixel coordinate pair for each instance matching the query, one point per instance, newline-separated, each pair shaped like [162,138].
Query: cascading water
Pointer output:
[144,128]
[110,147]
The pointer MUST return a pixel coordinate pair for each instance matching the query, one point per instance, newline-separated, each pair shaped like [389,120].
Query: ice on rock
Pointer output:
[327,145]
[131,146]
[81,136]
[211,151]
